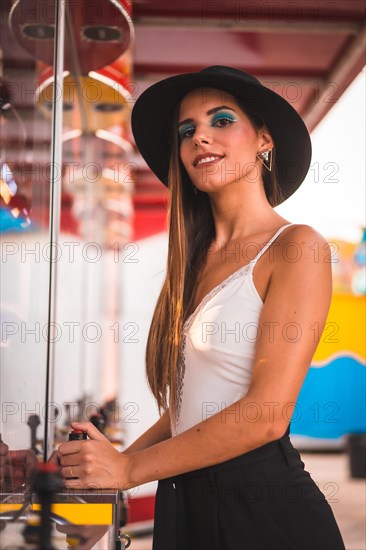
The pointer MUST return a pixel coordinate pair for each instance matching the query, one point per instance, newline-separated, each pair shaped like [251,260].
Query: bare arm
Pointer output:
[298,298]
[158,432]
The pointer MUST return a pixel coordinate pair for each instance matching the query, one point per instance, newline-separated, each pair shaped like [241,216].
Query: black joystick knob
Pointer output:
[77,435]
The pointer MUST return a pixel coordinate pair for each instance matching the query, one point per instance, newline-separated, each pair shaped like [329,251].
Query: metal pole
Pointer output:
[55,210]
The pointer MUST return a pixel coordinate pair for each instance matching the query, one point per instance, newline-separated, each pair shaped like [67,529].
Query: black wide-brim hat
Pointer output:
[153,111]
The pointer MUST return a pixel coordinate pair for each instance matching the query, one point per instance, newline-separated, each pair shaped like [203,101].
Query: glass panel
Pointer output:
[95,224]
[27,34]
[96,211]
[70,372]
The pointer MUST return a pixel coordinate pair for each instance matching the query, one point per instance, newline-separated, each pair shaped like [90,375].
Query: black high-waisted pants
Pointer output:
[261,500]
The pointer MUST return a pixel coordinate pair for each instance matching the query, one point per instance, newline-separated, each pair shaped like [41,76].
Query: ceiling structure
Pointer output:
[308,51]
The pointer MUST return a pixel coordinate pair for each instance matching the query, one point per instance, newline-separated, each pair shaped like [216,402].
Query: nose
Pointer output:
[202,135]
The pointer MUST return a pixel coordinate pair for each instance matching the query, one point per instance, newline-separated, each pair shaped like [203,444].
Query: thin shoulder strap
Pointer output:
[262,251]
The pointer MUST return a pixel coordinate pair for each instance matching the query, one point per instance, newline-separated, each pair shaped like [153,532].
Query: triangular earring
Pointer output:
[265,157]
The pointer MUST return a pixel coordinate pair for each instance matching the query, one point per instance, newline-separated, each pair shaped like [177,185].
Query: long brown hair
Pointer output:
[191,231]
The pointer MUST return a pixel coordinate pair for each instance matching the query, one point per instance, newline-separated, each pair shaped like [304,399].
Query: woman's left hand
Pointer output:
[93,463]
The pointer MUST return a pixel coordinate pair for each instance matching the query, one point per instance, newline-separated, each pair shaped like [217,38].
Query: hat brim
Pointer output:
[153,111]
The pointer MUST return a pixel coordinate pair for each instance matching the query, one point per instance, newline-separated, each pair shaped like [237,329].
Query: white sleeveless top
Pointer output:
[217,347]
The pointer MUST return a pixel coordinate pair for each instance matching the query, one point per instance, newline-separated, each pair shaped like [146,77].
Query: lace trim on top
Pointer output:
[213,292]
[181,364]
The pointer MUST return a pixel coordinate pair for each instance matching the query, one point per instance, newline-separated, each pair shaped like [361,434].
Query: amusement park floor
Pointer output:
[346,495]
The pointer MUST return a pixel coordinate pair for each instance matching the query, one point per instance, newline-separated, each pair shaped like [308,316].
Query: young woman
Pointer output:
[230,341]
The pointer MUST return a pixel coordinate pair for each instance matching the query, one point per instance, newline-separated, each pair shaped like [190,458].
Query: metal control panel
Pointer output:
[80,519]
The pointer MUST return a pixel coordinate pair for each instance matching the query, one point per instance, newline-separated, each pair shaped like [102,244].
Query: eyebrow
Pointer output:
[210,112]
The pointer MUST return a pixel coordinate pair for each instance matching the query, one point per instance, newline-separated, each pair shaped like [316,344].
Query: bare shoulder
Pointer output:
[302,269]
[302,243]
[303,233]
